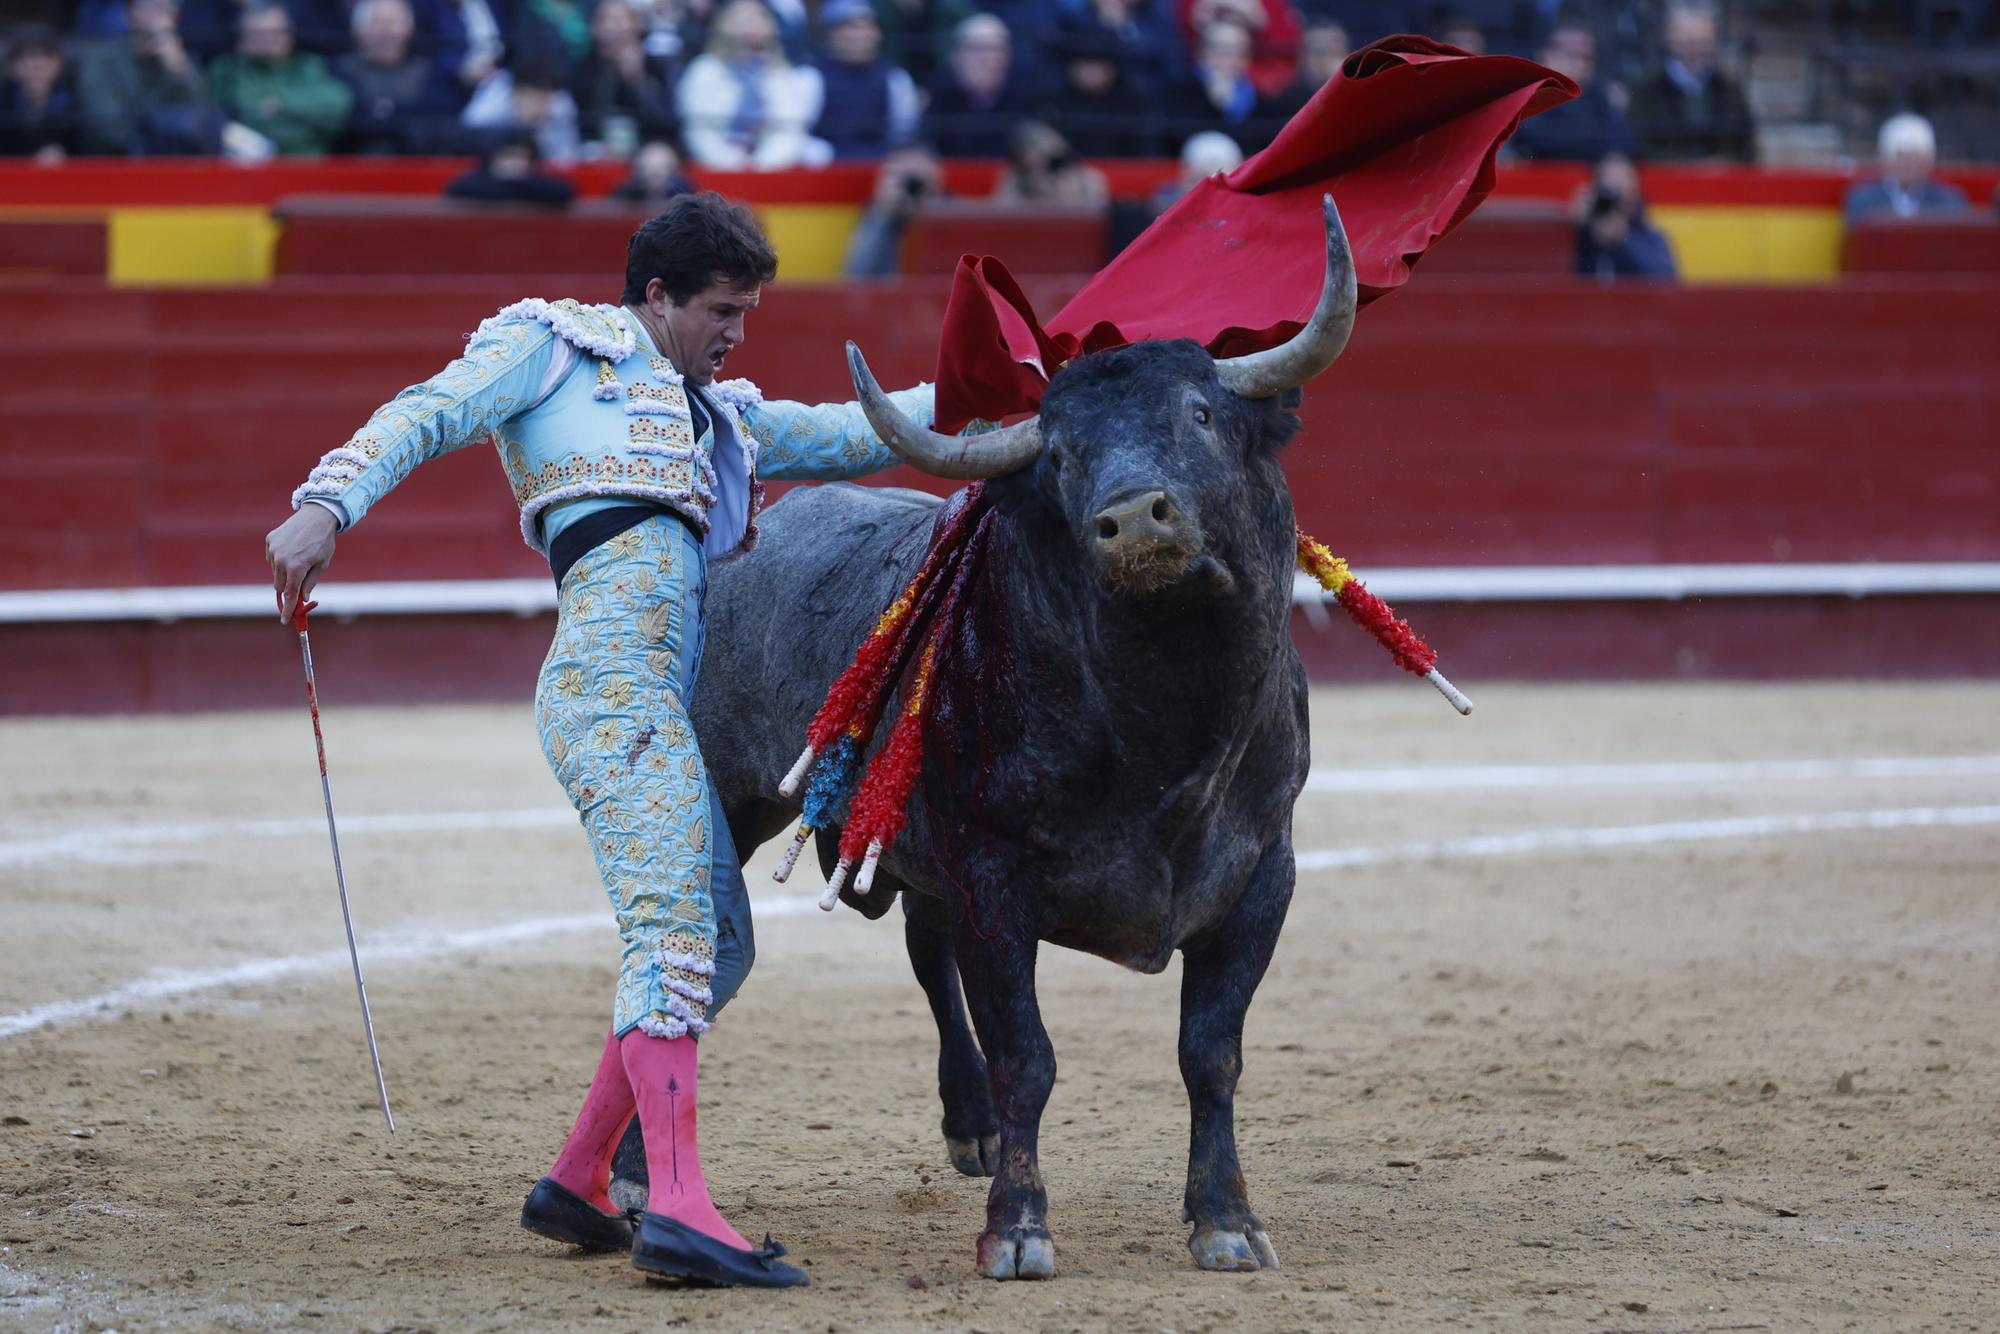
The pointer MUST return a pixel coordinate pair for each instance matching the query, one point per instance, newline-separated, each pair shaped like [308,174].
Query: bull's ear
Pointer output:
[1291,398]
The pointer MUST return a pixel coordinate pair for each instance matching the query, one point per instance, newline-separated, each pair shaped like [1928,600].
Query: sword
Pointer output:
[340,876]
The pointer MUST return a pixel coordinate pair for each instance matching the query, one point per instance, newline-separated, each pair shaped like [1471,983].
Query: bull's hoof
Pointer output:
[1233,1252]
[975,1157]
[1018,1252]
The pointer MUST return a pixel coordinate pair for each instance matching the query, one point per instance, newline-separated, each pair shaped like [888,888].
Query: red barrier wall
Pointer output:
[152,437]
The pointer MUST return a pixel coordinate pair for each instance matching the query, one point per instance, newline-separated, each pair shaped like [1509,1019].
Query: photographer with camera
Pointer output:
[908,177]
[1614,239]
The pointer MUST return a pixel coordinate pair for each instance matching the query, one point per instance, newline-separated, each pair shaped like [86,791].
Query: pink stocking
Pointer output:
[661,1071]
[583,1168]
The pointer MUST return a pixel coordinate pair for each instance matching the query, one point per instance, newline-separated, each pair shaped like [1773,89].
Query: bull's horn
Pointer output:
[1313,348]
[964,457]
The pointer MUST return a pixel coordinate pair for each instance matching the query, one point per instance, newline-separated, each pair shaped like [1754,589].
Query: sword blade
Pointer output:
[340,879]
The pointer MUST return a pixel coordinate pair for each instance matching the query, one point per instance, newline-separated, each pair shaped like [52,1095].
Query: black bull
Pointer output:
[1119,734]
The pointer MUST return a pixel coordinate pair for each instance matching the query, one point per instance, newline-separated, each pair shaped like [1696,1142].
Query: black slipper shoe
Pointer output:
[560,1215]
[674,1250]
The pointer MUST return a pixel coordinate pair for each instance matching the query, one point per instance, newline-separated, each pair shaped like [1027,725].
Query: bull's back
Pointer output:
[783,620]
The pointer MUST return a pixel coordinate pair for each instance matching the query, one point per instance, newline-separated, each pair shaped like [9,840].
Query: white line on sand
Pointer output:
[1646,835]
[131,843]
[169,985]
[1485,776]
[172,984]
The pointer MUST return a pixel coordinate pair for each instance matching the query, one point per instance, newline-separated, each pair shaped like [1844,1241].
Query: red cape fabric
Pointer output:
[1403,138]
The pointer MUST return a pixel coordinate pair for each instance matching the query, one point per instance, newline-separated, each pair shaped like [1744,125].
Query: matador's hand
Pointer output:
[299,550]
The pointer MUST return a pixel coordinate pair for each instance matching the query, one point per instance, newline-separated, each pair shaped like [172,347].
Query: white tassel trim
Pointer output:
[790,860]
[673,1026]
[655,407]
[333,474]
[567,328]
[738,394]
[789,785]
[831,898]
[689,991]
[687,963]
[689,506]
[864,879]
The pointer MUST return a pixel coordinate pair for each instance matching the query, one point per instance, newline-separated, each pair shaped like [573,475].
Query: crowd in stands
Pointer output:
[773,84]
[1046,85]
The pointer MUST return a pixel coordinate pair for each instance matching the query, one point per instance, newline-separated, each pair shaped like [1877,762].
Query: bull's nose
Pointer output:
[1152,518]
[1144,542]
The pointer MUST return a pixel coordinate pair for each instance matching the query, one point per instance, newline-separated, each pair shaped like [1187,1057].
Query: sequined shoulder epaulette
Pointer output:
[601,331]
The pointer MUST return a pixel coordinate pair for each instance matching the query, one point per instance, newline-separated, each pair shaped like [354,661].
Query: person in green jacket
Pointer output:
[286,95]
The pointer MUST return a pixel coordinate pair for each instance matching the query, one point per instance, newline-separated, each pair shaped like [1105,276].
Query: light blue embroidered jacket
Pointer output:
[615,423]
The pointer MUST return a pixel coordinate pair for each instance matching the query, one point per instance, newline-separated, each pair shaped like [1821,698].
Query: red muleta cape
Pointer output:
[1403,138]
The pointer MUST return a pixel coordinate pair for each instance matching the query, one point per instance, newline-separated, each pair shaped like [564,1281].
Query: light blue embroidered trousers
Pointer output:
[611,706]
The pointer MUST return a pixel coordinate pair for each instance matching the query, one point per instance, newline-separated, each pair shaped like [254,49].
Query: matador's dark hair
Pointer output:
[698,239]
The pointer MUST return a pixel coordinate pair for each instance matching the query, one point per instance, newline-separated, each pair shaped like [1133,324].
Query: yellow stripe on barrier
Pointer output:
[811,238]
[1717,243]
[180,246]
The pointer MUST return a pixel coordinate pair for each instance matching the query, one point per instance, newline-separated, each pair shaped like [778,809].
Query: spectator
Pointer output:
[623,95]
[400,103]
[656,176]
[1042,169]
[1217,93]
[1096,109]
[742,104]
[1689,108]
[1464,33]
[463,40]
[909,176]
[1371,20]
[1905,189]
[1589,126]
[916,34]
[974,111]
[509,172]
[285,95]
[1321,50]
[1142,32]
[38,106]
[1613,237]
[868,103]
[211,27]
[143,94]
[1273,28]
[675,29]
[1202,156]
[529,97]
[557,32]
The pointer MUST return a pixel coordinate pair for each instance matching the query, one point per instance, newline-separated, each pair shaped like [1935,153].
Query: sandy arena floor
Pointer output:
[1732,1066]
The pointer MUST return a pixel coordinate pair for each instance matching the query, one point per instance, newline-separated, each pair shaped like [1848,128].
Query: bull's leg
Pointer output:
[1220,973]
[1000,991]
[971,1130]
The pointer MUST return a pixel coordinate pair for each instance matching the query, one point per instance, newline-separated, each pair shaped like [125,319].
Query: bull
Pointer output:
[1112,764]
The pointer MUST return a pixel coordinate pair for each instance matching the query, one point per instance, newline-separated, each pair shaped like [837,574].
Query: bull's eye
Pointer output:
[1201,414]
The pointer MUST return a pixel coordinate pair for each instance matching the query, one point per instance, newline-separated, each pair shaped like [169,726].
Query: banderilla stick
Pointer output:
[340,876]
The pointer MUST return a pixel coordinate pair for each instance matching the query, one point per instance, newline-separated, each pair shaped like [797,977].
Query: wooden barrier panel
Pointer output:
[1924,245]
[152,437]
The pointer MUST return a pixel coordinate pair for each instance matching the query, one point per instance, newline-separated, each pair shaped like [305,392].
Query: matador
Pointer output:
[634,466]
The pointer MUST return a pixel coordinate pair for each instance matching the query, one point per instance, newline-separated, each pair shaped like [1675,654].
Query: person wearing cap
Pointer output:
[869,104]
[1906,188]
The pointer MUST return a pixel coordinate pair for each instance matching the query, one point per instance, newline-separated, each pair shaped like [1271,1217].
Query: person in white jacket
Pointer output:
[743,106]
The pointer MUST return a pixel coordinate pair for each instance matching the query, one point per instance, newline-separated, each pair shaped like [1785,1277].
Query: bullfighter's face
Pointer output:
[1157,470]
[699,334]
